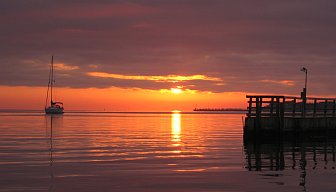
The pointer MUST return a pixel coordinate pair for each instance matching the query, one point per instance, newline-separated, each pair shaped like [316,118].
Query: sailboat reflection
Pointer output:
[176,128]
[51,121]
[296,154]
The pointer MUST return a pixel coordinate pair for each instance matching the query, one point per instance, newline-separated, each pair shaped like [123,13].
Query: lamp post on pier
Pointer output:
[304,92]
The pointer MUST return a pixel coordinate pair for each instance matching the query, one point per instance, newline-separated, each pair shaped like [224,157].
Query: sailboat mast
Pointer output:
[52,79]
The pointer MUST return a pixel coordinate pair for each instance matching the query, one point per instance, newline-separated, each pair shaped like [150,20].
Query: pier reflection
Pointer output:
[277,154]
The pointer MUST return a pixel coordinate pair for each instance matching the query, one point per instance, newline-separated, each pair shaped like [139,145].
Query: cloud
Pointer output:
[99,10]
[281,82]
[62,66]
[252,46]
[167,78]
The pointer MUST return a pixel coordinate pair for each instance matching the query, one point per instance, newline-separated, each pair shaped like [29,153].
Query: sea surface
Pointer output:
[154,152]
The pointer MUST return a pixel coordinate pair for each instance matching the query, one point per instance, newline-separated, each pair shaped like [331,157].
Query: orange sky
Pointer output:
[131,55]
[117,99]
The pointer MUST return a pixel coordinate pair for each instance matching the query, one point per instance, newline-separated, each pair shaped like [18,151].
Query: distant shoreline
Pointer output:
[125,112]
[219,109]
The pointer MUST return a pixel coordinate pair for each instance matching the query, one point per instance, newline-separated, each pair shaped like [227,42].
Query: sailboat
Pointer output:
[55,107]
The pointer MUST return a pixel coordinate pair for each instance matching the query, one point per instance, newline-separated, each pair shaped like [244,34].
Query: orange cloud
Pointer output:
[282,82]
[63,67]
[167,78]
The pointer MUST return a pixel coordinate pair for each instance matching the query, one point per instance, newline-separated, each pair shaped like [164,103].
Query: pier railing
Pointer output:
[287,106]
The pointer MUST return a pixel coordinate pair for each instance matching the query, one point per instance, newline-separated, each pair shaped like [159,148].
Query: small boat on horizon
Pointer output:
[55,107]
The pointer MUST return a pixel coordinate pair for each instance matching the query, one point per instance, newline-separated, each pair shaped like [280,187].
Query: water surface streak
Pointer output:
[153,152]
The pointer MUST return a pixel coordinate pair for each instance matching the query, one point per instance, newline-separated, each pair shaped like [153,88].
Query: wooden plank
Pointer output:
[288,97]
[325,107]
[314,112]
[264,101]
[260,104]
[271,106]
[334,107]
[277,107]
[264,96]
[284,104]
[250,107]
[282,115]
[258,117]
[294,107]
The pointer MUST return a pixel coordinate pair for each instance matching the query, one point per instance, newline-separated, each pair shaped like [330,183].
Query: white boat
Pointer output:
[55,106]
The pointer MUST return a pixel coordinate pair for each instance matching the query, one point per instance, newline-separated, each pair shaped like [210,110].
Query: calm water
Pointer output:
[153,152]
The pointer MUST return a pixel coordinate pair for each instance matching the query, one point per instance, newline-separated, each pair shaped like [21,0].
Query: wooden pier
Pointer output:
[290,114]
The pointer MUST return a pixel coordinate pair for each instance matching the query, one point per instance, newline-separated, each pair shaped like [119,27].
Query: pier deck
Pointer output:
[290,114]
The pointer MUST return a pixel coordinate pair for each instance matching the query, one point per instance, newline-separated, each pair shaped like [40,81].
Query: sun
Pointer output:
[176,90]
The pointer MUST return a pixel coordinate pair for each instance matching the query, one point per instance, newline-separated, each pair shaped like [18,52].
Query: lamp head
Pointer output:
[303,69]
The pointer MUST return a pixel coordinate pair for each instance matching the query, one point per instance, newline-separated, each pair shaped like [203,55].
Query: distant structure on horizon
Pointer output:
[219,109]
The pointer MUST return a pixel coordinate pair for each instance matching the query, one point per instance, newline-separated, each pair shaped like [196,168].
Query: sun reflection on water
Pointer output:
[176,128]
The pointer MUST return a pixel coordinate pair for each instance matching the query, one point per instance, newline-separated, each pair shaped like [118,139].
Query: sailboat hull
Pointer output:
[53,110]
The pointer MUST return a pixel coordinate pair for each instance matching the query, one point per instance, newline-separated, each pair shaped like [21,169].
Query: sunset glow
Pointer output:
[176,90]
[116,99]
